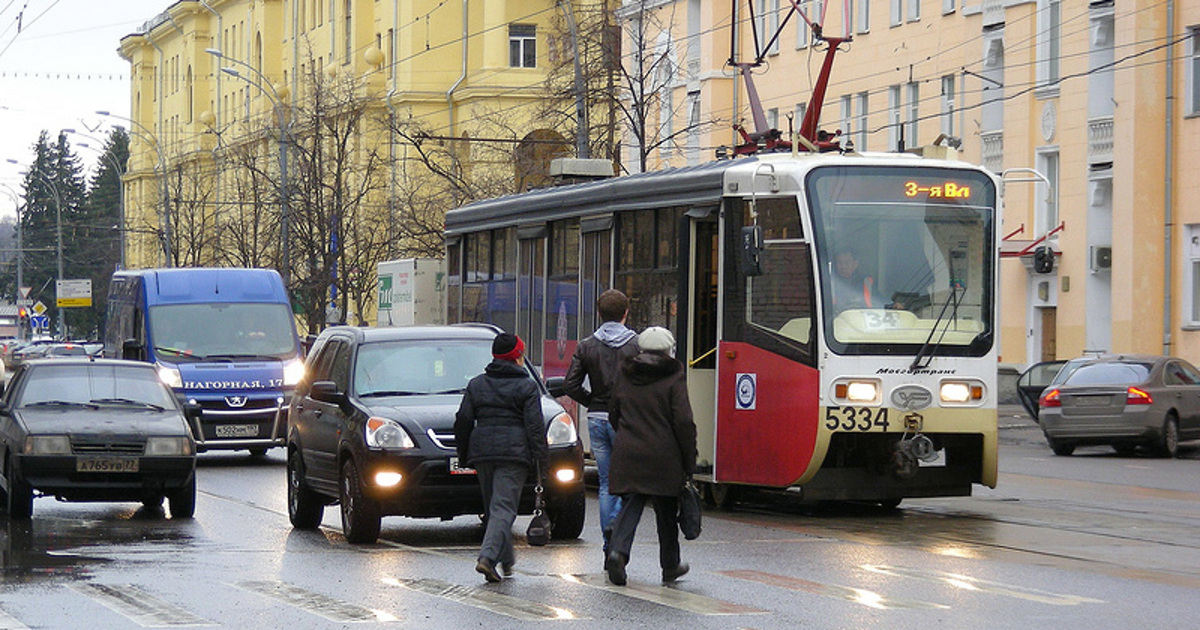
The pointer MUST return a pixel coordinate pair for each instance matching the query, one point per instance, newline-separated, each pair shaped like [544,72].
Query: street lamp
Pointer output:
[285,138]
[152,140]
[62,318]
[120,188]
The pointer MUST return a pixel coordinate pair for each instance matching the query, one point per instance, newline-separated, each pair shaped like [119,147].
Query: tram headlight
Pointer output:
[960,392]
[857,391]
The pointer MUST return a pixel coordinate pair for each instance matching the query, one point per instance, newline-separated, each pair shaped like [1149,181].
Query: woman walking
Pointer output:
[500,432]
[654,452]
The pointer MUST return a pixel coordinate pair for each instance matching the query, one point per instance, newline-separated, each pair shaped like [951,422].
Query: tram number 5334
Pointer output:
[856,419]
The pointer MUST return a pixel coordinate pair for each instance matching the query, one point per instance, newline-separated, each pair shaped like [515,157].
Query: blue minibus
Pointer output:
[223,338]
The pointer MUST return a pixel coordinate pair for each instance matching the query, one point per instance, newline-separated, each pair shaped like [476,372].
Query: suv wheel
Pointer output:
[360,514]
[567,515]
[305,508]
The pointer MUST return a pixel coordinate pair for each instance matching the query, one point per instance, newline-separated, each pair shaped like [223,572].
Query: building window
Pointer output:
[1046,206]
[348,34]
[860,135]
[897,12]
[914,109]
[1193,270]
[522,45]
[847,116]
[948,105]
[864,16]
[768,25]
[802,26]
[1049,43]
[914,10]
[1193,75]
[947,6]
[894,118]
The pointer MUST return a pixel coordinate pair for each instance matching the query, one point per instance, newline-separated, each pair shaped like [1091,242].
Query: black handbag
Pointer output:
[689,510]
[538,533]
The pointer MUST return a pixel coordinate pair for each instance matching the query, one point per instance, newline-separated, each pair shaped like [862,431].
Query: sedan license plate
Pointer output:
[237,430]
[107,464]
[455,470]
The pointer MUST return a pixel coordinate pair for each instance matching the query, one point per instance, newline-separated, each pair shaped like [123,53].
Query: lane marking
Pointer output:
[966,582]
[479,597]
[664,595]
[316,603]
[867,598]
[141,607]
[9,622]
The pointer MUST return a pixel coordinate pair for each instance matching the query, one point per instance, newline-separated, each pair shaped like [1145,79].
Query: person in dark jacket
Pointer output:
[500,432]
[588,382]
[655,450]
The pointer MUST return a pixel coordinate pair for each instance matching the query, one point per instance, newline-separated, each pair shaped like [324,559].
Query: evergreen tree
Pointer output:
[96,231]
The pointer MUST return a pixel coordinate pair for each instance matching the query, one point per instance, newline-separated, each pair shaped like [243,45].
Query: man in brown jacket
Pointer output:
[596,361]
[655,450]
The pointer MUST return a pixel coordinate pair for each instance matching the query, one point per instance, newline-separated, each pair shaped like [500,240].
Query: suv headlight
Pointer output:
[384,433]
[293,372]
[561,431]
[170,375]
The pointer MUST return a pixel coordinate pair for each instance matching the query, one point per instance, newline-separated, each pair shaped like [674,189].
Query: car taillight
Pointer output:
[1050,399]
[1135,396]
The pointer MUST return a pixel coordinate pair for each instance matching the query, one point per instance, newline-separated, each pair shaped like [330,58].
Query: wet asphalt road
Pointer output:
[1089,541]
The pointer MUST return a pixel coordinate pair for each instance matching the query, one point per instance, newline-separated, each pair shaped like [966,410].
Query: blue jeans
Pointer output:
[602,436]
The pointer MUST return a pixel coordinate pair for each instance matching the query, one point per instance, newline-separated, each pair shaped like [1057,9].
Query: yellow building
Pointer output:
[257,123]
[1090,109]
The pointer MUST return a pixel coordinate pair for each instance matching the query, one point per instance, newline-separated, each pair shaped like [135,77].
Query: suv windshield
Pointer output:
[1109,374]
[400,368]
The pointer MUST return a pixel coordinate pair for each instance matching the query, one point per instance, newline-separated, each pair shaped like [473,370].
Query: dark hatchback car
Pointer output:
[371,427]
[95,430]
[1124,401]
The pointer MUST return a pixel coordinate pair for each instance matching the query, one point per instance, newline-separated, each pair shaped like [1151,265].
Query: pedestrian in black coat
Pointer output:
[501,433]
[654,452]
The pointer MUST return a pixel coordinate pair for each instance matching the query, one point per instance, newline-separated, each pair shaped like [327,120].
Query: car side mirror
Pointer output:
[327,391]
[192,410]
[555,385]
[752,246]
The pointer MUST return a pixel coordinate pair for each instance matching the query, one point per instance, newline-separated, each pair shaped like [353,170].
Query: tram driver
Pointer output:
[852,288]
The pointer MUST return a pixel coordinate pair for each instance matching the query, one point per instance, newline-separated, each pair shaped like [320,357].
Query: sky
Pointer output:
[58,66]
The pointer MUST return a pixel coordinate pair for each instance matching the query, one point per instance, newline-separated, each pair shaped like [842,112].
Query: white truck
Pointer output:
[411,291]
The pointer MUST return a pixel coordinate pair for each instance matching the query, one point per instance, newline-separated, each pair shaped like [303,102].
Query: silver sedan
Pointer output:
[1124,401]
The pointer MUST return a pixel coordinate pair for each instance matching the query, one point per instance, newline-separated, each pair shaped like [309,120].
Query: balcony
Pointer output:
[992,151]
[993,12]
[1100,140]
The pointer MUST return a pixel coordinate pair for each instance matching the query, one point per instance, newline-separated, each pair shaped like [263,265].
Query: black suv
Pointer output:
[371,427]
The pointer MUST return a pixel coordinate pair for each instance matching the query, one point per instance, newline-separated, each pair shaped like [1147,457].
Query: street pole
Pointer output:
[285,139]
[62,316]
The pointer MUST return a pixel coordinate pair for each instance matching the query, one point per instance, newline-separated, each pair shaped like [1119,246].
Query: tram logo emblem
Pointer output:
[747,391]
[911,397]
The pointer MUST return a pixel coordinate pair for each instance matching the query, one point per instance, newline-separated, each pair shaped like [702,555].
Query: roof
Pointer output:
[366,334]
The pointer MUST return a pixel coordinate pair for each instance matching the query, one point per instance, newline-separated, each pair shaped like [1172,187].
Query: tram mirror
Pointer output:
[752,246]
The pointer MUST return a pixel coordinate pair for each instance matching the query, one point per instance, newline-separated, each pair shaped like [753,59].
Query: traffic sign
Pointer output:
[39,308]
[74,292]
[39,322]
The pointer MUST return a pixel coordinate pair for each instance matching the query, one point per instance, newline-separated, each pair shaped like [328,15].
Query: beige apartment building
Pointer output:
[419,105]
[1090,110]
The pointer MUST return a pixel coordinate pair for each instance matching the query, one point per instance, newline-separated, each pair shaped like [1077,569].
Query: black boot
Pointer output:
[616,568]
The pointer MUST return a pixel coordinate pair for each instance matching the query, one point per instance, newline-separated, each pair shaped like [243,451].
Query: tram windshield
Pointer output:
[905,258]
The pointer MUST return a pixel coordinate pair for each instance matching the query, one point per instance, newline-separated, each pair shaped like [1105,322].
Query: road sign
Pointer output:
[39,308]
[39,322]
[23,293]
[74,292]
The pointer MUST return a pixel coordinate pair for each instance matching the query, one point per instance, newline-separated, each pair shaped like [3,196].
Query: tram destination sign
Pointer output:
[73,293]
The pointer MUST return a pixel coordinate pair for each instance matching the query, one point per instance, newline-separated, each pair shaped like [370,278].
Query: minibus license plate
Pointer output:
[237,430]
[107,464]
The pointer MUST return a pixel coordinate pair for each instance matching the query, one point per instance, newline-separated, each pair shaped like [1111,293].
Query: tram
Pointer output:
[836,312]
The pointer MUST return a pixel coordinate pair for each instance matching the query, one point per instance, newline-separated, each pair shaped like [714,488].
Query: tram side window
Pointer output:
[502,289]
[562,317]
[647,241]
[453,281]
[774,310]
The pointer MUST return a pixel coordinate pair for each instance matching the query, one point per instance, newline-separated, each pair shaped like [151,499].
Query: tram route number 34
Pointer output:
[856,419]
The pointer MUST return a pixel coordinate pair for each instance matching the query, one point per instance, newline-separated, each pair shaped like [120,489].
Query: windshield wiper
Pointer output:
[127,401]
[61,403]
[932,347]
[456,390]
[385,392]
[175,351]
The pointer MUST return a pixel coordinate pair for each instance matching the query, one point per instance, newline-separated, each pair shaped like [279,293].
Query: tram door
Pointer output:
[701,359]
[531,290]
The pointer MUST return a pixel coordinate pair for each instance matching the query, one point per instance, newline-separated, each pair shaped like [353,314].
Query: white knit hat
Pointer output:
[657,339]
